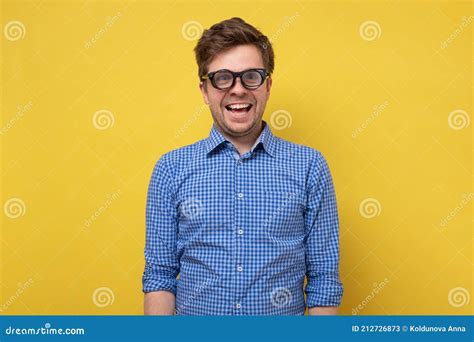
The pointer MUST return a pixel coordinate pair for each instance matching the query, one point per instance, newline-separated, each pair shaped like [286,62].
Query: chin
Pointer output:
[239,128]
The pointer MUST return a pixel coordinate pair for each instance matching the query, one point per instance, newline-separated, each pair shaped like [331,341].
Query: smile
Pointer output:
[239,107]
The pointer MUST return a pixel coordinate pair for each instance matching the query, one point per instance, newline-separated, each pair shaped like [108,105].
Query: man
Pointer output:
[241,217]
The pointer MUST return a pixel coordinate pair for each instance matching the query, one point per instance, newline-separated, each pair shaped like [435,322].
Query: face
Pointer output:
[237,122]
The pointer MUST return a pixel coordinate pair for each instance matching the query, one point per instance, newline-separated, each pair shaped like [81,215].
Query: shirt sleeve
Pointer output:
[324,287]
[161,262]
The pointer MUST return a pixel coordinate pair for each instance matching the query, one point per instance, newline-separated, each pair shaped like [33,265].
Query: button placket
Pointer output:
[240,199]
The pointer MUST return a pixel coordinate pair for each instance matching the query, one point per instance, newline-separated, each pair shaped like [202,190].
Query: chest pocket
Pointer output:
[283,215]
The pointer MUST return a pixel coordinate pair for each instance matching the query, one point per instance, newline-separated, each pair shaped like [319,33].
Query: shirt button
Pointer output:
[240,231]
[240,268]
[240,195]
[238,306]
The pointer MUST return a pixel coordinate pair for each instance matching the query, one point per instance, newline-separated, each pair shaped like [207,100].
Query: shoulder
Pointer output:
[315,165]
[179,157]
[307,153]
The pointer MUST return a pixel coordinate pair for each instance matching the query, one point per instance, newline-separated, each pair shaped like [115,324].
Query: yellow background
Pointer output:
[135,60]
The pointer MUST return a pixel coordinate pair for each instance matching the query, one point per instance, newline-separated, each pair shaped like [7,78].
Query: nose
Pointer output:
[238,88]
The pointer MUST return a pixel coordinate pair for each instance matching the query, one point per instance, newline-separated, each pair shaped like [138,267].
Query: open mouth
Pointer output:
[239,107]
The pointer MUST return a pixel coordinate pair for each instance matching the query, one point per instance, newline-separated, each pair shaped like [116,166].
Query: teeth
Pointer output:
[239,105]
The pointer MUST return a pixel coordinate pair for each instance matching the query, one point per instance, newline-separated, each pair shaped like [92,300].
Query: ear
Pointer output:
[203,88]
[269,85]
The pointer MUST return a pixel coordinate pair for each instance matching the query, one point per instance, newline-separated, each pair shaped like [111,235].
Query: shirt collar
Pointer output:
[266,137]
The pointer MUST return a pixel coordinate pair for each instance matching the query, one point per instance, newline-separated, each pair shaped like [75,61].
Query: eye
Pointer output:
[252,78]
[223,76]
[252,75]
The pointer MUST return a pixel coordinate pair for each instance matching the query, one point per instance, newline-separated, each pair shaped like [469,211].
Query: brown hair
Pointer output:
[227,34]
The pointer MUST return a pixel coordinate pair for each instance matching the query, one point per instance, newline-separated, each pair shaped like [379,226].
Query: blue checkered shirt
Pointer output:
[233,234]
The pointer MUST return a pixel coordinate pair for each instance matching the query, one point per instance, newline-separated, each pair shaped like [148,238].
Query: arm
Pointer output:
[161,261]
[324,289]
[159,303]
[323,311]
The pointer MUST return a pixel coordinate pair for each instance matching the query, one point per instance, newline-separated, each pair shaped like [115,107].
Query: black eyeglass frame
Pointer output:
[262,72]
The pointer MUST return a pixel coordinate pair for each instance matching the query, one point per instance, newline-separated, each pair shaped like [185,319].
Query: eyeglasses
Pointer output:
[225,79]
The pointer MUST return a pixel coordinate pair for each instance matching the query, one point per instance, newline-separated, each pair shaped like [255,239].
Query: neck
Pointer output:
[244,143]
